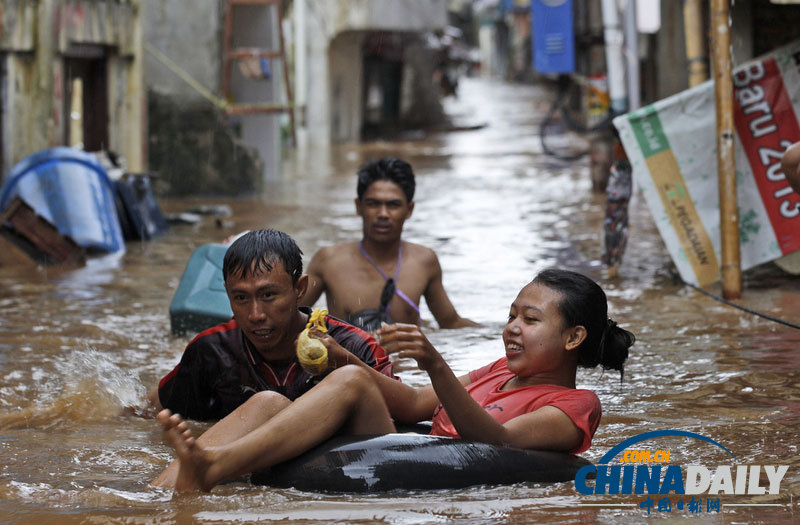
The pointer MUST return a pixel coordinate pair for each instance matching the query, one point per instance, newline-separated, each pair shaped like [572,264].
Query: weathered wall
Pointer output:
[742,31]
[346,86]
[194,152]
[194,147]
[256,27]
[672,74]
[33,104]
[324,97]
[420,105]
[189,33]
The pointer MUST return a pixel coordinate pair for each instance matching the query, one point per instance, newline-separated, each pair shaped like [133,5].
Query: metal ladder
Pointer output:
[231,54]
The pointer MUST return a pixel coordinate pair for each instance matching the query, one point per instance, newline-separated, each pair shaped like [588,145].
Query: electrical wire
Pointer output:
[744,308]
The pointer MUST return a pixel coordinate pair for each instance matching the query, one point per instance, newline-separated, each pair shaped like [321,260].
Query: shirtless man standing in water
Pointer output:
[382,278]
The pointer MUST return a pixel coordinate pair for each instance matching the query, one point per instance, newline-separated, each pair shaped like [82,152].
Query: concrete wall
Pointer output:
[326,97]
[189,33]
[742,32]
[346,86]
[672,73]
[33,103]
[256,27]
[420,106]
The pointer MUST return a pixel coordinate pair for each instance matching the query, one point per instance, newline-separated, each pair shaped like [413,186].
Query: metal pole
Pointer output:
[696,54]
[615,60]
[632,56]
[300,69]
[726,167]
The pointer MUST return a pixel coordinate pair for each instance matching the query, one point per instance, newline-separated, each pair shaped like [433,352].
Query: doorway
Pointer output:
[86,97]
[383,78]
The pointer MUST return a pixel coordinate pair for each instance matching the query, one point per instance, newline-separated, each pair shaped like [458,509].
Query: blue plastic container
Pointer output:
[70,189]
[200,301]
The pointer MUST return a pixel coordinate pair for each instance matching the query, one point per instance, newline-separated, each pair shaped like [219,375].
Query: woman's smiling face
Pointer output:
[536,340]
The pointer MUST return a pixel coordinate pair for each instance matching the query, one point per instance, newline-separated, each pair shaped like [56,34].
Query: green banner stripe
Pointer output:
[649,132]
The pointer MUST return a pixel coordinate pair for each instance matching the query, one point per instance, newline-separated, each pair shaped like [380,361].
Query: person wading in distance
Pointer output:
[381,278]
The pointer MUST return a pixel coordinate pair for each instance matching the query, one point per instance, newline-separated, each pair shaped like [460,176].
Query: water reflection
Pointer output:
[77,345]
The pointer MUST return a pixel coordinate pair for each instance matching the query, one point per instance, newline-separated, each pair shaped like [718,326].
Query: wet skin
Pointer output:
[383,209]
[535,340]
[264,305]
[352,284]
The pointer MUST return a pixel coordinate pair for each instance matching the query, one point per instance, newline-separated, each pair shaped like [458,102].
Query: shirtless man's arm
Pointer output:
[316,282]
[437,299]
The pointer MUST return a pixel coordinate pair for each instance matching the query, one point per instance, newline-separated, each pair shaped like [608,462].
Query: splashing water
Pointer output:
[91,388]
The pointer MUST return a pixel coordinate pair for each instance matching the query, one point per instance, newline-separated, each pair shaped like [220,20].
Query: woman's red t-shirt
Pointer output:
[581,406]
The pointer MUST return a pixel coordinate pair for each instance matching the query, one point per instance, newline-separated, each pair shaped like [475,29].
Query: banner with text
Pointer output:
[671,145]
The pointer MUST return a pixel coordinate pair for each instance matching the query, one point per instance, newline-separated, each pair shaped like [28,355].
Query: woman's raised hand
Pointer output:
[407,340]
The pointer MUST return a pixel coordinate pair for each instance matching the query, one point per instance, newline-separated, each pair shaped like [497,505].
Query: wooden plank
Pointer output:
[38,238]
[253,2]
[248,109]
[248,52]
[10,253]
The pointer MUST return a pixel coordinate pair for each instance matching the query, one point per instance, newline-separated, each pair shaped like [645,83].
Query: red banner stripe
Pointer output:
[766,124]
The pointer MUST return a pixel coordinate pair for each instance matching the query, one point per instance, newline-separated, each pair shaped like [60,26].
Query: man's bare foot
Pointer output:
[194,459]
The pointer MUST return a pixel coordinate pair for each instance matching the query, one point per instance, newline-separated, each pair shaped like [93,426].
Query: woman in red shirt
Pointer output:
[527,399]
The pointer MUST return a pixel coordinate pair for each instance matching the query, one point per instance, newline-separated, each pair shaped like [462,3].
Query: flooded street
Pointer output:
[78,345]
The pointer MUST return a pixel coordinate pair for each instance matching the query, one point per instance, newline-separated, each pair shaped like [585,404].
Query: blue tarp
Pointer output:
[71,189]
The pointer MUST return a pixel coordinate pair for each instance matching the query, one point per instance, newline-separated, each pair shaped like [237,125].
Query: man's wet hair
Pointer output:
[387,168]
[584,303]
[258,250]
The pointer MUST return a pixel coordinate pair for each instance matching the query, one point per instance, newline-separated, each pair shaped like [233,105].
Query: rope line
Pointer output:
[186,77]
[744,308]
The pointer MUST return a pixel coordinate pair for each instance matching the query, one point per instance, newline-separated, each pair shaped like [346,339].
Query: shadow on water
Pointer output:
[79,345]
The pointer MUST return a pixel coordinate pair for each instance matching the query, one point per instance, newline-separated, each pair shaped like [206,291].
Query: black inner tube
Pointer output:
[393,462]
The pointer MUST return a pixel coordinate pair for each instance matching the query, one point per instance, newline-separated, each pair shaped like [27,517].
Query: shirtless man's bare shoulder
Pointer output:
[354,275]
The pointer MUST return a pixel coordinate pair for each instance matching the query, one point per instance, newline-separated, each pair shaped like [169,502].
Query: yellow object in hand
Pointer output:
[311,353]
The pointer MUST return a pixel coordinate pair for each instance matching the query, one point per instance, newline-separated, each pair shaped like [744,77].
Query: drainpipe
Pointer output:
[300,71]
[602,145]
[726,166]
[615,60]
[632,56]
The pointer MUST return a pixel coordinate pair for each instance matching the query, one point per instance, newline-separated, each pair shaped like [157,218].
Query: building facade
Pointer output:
[71,74]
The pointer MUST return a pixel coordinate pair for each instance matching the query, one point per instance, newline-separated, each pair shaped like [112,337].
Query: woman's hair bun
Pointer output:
[614,344]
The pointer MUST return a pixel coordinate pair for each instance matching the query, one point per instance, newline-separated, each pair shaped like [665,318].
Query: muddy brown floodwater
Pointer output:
[77,345]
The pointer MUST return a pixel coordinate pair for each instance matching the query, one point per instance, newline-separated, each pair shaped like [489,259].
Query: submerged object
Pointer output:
[415,462]
[26,236]
[139,214]
[183,218]
[70,189]
[200,301]
[311,353]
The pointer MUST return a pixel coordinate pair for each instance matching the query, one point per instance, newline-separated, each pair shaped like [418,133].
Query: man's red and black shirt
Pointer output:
[220,370]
